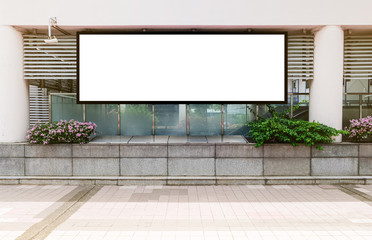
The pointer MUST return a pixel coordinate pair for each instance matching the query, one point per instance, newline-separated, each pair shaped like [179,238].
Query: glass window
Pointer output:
[205,119]
[170,119]
[350,109]
[105,116]
[235,118]
[65,108]
[136,119]
[367,105]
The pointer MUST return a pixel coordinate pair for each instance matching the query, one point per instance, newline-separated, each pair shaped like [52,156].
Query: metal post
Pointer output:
[291,105]
[187,119]
[119,123]
[84,113]
[50,108]
[222,119]
[153,119]
[360,106]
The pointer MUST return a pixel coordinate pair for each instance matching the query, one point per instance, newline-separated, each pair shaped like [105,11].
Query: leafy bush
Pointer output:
[360,129]
[61,132]
[281,129]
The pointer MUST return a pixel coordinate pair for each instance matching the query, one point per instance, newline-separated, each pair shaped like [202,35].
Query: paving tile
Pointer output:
[192,212]
[21,206]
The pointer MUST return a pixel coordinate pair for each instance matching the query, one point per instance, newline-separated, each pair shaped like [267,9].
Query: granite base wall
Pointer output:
[220,163]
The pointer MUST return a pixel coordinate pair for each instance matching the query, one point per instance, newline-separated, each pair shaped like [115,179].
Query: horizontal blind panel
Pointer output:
[48,58]
[357,59]
[54,54]
[48,63]
[300,57]
[295,59]
[50,66]
[49,70]
[49,48]
[44,67]
[43,74]
[52,78]
[39,105]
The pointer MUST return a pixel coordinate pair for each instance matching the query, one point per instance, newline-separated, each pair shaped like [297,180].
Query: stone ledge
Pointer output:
[48,166]
[12,150]
[286,151]
[12,166]
[284,166]
[197,180]
[95,151]
[153,180]
[238,151]
[191,150]
[334,166]
[143,166]
[239,166]
[191,167]
[9,181]
[95,166]
[144,151]
[365,150]
[365,166]
[48,151]
[240,181]
[290,182]
[336,150]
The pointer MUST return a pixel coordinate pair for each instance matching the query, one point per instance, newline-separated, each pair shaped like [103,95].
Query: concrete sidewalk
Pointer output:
[61,212]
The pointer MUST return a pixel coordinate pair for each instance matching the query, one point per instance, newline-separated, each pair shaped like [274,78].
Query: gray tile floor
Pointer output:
[169,139]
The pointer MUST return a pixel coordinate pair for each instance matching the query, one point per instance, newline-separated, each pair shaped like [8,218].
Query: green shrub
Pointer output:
[281,129]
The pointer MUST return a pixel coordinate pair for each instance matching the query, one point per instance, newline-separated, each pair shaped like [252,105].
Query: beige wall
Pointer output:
[186,12]
[85,14]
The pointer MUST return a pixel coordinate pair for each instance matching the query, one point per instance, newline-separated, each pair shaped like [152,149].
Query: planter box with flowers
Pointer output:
[61,132]
[181,163]
[360,130]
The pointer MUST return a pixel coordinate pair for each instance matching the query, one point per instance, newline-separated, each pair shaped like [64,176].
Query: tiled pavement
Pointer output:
[188,212]
[21,206]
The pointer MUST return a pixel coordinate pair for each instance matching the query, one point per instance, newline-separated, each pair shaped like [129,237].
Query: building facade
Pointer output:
[329,62]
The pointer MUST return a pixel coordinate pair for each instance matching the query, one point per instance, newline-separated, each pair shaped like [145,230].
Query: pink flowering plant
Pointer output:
[360,129]
[61,132]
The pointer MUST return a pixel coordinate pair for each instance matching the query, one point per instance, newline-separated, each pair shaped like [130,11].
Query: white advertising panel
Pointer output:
[182,68]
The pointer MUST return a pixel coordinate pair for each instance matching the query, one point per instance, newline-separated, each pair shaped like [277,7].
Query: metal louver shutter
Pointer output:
[300,57]
[50,66]
[39,106]
[58,62]
[357,63]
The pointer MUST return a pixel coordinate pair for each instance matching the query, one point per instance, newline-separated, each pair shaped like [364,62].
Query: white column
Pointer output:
[326,90]
[14,113]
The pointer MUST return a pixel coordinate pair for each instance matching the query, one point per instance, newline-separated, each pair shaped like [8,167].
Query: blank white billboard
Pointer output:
[181,68]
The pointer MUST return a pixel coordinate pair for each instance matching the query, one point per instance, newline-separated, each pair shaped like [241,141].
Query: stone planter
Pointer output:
[189,163]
